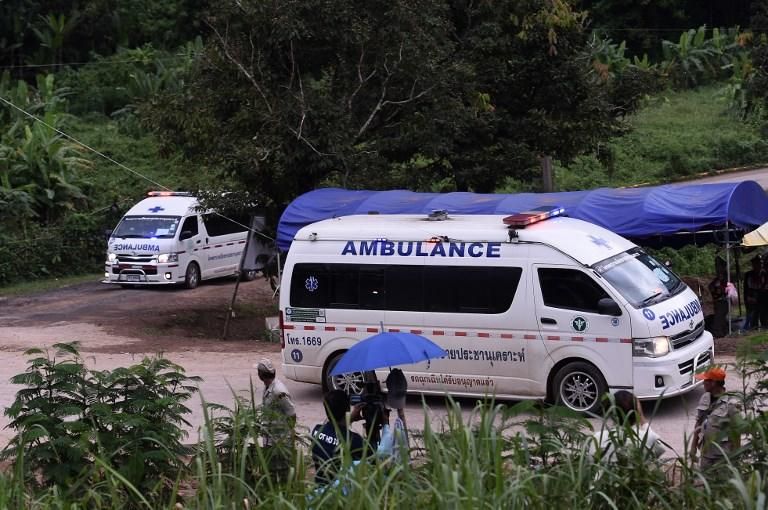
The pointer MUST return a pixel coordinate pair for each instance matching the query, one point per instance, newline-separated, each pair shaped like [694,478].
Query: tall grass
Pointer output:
[500,456]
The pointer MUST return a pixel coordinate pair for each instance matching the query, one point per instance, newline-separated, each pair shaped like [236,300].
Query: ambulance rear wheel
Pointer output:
[192,276]
[353,383]
[579,386]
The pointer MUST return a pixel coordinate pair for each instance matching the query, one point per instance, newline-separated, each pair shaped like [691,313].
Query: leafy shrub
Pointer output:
[584,172]
[75,246]
[689,260]
[75,426]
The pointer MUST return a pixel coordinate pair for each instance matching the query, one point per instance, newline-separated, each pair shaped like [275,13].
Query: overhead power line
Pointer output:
[119,165]
[98,62]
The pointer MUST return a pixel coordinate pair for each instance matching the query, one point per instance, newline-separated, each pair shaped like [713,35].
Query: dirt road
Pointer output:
[117,327]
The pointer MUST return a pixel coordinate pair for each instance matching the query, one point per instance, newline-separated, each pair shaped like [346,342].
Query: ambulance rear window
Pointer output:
[438,289]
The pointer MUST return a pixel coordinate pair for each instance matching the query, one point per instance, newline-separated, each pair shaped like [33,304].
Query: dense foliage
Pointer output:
[645,25]
[426,95]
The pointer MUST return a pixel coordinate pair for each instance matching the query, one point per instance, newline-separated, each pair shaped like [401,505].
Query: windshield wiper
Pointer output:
[130,236]
[652,297]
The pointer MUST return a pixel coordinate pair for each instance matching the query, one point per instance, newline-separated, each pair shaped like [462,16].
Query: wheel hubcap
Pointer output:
[578,391]
[351,383]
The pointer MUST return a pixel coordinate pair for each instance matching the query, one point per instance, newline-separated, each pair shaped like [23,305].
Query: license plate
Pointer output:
[133,278]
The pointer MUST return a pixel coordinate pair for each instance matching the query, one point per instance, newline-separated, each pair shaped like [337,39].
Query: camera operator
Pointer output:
[329,437]
[373,411]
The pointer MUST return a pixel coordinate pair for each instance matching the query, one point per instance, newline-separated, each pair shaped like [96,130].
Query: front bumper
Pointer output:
[674,371]
[159,274]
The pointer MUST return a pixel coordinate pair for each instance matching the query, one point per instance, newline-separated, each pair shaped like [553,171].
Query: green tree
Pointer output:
[296,94]
[533,60]
[426,94]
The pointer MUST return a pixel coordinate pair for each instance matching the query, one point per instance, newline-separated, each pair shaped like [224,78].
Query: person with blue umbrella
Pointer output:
[385,349]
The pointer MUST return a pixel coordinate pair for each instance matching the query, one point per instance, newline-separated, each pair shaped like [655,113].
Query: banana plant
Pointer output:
[695,59]
[53,33]
[38,161]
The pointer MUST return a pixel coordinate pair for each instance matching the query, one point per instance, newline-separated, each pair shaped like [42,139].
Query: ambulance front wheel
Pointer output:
[353,383]
[192,276]
[579,386]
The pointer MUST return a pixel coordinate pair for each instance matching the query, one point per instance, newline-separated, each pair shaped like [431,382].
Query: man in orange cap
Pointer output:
[713,425]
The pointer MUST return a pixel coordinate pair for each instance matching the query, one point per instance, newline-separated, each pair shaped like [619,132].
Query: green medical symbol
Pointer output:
[579,324]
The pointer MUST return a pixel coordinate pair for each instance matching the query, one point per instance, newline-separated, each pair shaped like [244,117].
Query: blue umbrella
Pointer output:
[387,349]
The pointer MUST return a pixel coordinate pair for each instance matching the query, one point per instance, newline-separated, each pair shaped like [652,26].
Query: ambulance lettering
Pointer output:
[422,249]
[145,247]
[678,315]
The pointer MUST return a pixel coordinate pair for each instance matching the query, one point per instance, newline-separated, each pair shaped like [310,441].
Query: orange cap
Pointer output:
[713,374]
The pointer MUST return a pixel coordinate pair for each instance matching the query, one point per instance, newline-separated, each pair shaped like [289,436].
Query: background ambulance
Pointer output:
[165,239]
[528,306]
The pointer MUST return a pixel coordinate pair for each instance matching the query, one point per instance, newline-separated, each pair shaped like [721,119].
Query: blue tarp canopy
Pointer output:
[636,213]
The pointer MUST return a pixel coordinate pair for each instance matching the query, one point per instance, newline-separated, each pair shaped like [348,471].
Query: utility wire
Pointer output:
[65,135]
[102,62]
[120,165]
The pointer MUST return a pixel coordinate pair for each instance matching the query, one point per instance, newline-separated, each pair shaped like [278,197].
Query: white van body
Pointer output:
[510,306]
[165,239]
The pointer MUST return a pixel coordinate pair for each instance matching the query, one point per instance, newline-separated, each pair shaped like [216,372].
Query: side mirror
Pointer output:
[186,234]
[607,306]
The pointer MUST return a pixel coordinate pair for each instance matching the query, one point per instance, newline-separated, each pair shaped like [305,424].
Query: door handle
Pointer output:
[547,320]
[197,242]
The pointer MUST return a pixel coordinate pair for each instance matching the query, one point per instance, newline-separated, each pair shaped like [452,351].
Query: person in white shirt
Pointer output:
[395,438]
[630,428]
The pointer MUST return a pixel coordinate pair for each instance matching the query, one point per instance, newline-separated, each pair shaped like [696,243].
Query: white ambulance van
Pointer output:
[165,239]
[528,306]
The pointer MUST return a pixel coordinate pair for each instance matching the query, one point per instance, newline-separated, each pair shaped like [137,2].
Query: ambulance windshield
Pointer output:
[147,227]
[640,278]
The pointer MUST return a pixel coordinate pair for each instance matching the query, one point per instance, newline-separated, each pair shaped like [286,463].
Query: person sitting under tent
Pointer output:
[717,288]
[754,281]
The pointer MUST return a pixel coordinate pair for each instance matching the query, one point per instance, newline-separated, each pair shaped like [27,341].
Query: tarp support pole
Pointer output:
[728,270]
[739,279]
[231,309]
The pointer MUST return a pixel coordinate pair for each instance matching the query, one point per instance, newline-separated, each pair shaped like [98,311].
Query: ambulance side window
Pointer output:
[189,228]
[310,286]
[404,288]
[372,293]
[220,225]
[438,289]
[570,289]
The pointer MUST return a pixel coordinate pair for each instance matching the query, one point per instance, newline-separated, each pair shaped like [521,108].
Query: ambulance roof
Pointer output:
[585,242]
[164,206]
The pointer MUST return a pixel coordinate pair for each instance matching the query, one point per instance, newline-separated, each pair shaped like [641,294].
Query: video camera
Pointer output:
[373,411]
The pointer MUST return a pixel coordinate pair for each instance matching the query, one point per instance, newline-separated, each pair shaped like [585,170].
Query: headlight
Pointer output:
[167,257]
[650,347]
[111,257]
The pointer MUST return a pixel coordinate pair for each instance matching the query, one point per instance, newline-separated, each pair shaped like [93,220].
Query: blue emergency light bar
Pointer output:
[523,219]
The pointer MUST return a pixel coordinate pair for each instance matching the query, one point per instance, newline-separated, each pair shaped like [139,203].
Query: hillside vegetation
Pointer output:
[675,135]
